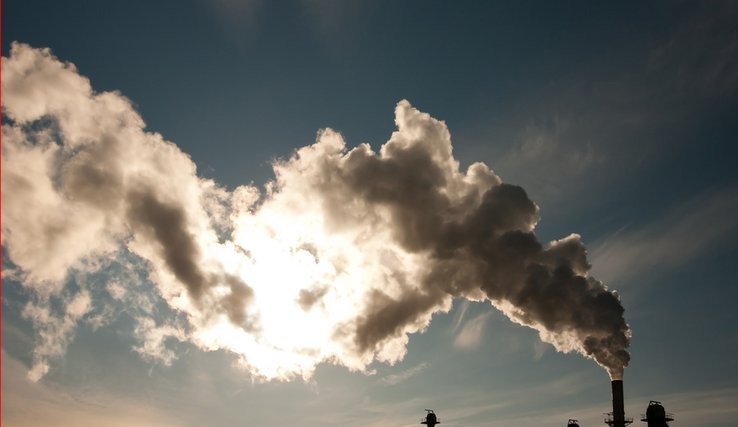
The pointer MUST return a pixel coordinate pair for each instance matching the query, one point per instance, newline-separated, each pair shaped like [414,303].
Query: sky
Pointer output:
[332,213]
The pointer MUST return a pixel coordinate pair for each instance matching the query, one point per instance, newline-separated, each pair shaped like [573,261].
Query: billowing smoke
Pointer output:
[345,252]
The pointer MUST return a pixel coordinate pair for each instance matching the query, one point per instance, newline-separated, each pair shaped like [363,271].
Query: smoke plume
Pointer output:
[344,253]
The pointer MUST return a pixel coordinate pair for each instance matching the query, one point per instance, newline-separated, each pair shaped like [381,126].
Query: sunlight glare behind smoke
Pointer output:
[342,256]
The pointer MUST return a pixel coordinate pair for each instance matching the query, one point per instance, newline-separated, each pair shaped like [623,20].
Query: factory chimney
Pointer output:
[618,406]
[617,417]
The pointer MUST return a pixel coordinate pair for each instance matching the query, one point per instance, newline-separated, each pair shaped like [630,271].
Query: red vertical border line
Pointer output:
[1,207]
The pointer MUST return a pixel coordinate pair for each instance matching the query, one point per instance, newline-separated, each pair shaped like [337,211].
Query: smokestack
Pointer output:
[617,418]
[618,407]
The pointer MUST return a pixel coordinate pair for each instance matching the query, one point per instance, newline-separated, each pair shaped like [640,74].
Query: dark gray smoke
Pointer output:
[475,236]
[166,224]
[345,254]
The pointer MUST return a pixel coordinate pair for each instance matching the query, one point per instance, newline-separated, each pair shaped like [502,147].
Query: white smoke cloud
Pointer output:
[346,252]
[54,330]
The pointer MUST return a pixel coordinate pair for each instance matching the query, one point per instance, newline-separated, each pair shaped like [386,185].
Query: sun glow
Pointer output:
[344,253]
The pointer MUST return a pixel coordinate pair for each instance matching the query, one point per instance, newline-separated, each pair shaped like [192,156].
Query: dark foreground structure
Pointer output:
[655,416]
[430,418]
[616,418]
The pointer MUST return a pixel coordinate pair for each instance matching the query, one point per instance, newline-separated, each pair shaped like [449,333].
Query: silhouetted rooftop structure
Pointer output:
[656,415]
[430,418]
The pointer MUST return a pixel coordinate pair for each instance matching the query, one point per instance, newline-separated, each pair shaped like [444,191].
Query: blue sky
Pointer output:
[618,119]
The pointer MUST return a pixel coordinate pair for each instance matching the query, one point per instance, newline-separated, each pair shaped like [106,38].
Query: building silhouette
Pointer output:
[656,415]
[430,418]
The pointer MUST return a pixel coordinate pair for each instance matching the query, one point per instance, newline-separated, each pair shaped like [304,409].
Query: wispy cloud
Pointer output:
[668,241]
[404,375]
[236,12]
[470,335]
[607,122]
[552,148]
[701,56]
[460,315]
[337,24]
[526,405]
[52,406]
[704,407]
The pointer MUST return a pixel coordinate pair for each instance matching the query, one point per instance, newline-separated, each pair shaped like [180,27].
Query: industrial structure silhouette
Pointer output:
[655,416]
[430,418]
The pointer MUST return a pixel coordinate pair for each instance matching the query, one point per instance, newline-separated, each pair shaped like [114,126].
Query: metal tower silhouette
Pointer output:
[430,419]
